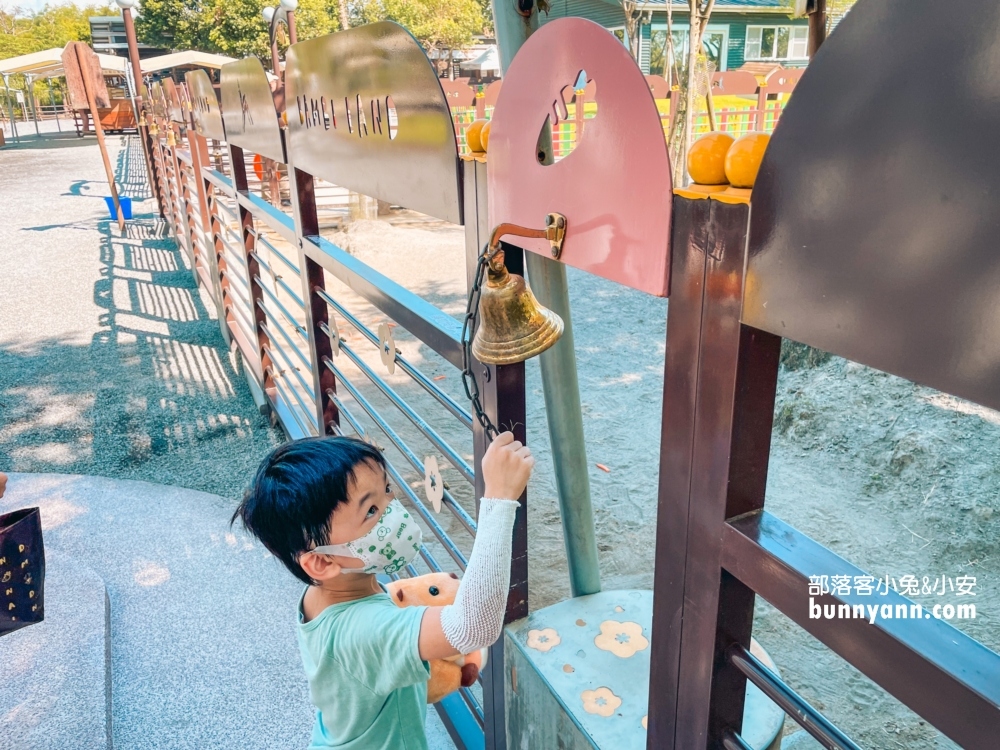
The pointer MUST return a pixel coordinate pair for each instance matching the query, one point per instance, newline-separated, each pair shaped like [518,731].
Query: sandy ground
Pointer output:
[896,478]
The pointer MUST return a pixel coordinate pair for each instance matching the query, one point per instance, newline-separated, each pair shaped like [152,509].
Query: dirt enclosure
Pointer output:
[898,479]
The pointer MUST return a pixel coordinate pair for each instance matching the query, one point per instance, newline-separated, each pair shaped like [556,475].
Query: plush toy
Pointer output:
[438,590]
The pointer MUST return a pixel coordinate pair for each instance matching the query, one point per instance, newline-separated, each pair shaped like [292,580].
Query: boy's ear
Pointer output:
[319,567]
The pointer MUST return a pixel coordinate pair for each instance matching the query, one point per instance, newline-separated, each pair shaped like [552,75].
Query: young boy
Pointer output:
[326,509]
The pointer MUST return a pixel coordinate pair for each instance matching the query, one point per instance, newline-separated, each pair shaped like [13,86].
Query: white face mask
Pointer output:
[388,546]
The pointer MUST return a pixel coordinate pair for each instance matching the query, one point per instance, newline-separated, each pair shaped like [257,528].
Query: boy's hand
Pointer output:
[506,467]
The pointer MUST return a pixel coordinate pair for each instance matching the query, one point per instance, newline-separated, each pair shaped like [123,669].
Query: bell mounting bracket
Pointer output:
[554,232]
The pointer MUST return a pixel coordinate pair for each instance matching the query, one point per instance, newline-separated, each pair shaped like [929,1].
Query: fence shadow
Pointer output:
[154,395]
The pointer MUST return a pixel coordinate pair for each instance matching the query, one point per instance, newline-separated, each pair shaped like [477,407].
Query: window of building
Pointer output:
[777,43]
[714,44]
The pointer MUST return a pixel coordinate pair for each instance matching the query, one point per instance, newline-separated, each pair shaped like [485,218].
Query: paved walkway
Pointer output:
[113,369]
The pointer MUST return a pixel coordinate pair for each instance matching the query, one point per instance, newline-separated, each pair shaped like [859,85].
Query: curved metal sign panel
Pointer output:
[366,111]
[614,187]
[205,105]
[248,112]
[159,99]
[176,107]
[876,213]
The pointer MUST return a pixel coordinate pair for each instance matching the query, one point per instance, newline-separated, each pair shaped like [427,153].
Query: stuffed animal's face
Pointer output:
[432,590]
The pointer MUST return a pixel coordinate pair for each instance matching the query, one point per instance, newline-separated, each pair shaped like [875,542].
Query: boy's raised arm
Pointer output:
[475,620]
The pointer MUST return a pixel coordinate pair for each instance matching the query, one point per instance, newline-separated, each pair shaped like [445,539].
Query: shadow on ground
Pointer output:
[154,396]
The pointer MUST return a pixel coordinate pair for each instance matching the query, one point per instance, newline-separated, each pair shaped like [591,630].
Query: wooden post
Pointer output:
[80,64]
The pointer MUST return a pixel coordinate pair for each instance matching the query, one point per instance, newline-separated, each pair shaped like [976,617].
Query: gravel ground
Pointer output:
[111,364]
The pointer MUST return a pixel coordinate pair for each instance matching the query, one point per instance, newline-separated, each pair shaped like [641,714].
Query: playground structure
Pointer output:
[365,113]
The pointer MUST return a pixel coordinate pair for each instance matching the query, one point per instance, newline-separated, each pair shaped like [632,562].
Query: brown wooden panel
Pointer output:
[877,208]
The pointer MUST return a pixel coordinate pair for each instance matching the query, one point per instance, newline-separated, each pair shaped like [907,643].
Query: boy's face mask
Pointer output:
[388,546]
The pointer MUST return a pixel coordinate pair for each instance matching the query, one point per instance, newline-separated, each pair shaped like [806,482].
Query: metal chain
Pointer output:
[468,328]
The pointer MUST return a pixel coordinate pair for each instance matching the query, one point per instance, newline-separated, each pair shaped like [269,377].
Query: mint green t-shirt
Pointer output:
[366,677]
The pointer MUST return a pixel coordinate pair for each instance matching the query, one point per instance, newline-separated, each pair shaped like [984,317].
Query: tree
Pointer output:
[439,25]
[633,18]
[22,32]
[228,27]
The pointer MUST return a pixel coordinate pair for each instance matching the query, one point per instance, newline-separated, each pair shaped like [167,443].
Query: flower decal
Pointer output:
[543,640]
[601,701]
[622,639]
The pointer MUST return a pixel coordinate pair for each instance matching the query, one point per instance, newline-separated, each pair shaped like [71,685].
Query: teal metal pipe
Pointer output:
[559,377]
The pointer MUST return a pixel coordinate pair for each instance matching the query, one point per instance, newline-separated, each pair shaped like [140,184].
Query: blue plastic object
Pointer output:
[126,204]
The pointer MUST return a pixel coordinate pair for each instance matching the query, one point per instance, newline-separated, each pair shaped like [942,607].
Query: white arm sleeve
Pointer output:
[475,620]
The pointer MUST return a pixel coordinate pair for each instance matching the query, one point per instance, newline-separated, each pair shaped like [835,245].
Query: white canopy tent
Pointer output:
[488,60]
[48,64]
[189,57]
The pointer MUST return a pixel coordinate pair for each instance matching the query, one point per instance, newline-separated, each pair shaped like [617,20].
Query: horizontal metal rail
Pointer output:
[949,675]
[243,289]
[261,238]
[449,545]
[274,218]
[447,498]
[789,701]
[425,429]
[443,398]
[732,741]
[288,339]
[438,330]
[398,478]
[287,414]
[277,280]
[277,378]
[219,180]
[473,704]
[289,365]
[284,311]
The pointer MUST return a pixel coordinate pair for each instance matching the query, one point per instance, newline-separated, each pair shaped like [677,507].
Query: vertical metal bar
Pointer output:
[52,103]
[30,93]
[10,109]
[239,168]
[324,382]
[559,377]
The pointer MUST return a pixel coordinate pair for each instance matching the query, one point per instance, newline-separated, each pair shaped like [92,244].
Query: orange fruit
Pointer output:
[744,158]
[707,159]
[484,136]
[473,136]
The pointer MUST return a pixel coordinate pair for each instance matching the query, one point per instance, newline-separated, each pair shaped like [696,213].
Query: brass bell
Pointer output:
[513,326]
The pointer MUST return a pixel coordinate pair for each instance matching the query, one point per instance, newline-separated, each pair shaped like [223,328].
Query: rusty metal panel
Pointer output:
[876,212]
[79,62]
[175,106]
[248,113]
[366,111]
[159,99]
[614,188]
[205,109]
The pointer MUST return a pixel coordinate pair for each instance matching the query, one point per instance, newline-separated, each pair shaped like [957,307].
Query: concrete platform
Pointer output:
[203,649]
[56,674]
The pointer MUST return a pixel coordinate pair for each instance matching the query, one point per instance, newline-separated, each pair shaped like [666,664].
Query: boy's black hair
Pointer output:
[296,489]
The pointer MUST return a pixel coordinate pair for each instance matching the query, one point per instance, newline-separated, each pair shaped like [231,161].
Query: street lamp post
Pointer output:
[285,12]
[140,122]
